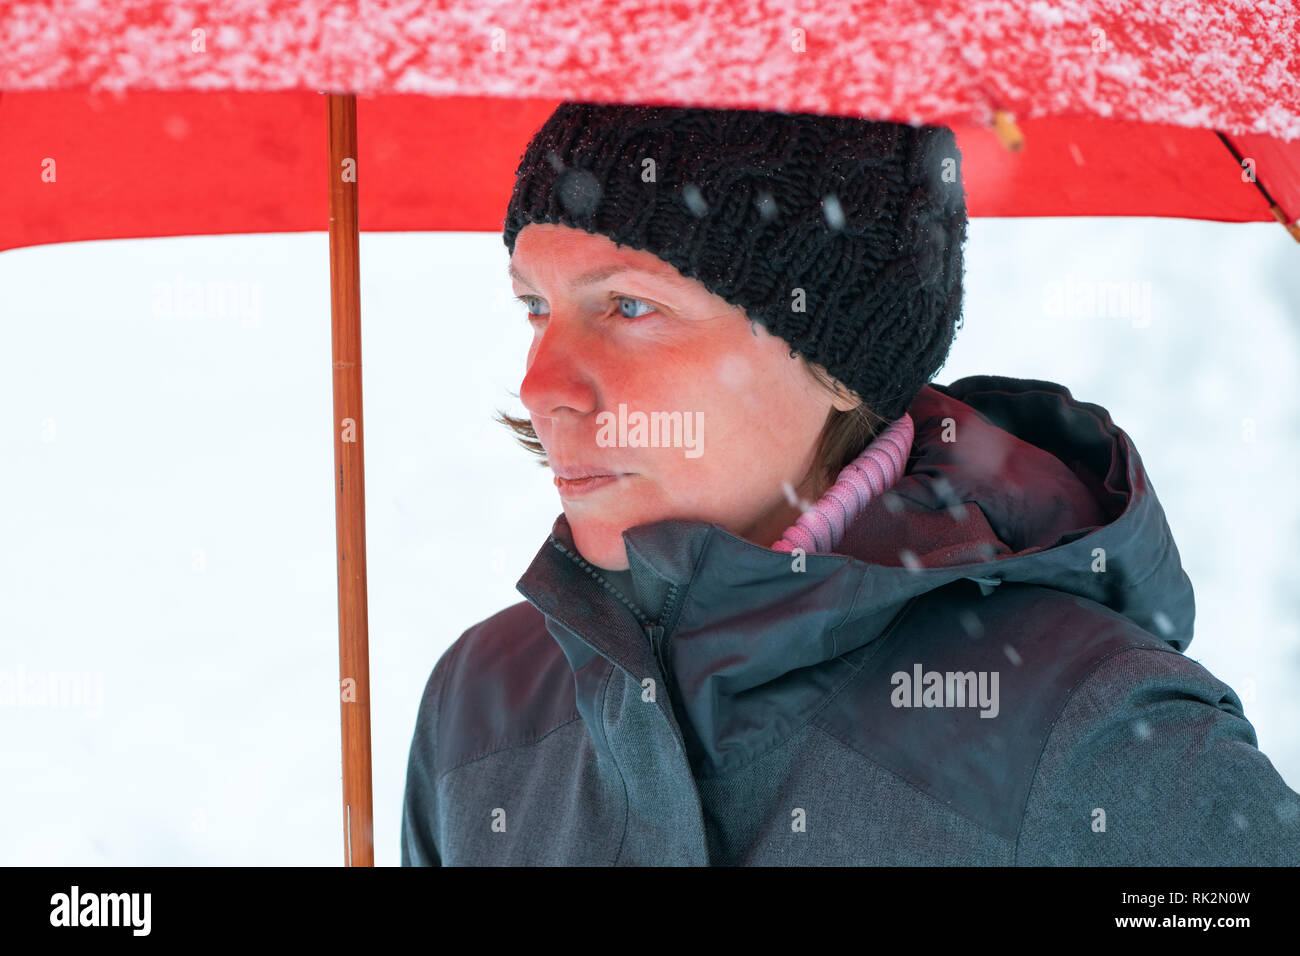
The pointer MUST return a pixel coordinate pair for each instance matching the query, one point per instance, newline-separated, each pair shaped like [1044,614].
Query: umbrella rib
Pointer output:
[1274,206]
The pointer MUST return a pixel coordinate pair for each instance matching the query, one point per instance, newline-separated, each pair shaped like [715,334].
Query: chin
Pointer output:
[599,543]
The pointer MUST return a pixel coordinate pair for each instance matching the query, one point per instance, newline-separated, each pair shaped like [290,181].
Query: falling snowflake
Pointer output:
[1288,811]
[792,498]
[695,200]
[948,497]
[833,212]
[579,192]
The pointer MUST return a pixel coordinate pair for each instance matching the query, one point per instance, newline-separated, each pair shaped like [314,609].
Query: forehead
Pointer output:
[578,258]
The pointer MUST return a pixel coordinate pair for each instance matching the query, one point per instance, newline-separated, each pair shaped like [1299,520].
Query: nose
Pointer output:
[560,370]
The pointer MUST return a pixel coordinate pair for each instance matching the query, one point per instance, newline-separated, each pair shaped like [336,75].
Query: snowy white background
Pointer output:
[167,525]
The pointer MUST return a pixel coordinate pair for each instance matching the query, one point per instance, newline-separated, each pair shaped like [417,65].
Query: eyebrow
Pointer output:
[593,276]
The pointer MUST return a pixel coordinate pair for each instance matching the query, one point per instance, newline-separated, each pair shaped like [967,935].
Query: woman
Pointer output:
[802,607]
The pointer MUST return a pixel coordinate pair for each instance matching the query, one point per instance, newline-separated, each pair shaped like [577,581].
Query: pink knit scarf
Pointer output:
[872,473]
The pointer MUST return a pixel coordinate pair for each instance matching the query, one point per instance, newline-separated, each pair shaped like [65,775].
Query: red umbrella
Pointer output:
[152,119]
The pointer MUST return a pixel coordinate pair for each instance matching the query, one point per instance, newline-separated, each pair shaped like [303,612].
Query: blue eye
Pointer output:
[527,300]
[624,298]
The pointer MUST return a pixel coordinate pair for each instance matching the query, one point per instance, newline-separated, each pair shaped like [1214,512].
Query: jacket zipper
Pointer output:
[654,631]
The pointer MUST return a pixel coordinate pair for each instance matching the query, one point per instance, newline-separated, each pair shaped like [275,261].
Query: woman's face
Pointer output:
[728,416]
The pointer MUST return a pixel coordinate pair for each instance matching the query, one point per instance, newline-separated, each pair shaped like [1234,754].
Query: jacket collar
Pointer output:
[750,646]
[753,639]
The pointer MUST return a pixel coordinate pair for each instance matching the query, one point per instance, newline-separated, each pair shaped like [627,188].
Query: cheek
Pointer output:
[745,399]
[764,390]
[734,373]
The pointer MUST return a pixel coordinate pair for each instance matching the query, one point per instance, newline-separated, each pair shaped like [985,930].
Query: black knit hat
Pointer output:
[840,235]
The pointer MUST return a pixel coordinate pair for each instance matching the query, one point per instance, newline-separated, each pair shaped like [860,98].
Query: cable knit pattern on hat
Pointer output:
[875,471]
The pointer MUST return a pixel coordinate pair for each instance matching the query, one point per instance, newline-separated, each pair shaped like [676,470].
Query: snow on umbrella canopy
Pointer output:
[220,128]
[144,119]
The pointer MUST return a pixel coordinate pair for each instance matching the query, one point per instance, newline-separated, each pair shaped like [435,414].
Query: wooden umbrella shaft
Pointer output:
[350,484]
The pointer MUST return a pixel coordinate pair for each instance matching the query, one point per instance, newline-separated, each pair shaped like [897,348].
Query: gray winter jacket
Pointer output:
[988,670]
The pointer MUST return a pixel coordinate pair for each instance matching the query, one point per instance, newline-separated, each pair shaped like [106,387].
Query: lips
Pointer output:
[575,487]
[578,471]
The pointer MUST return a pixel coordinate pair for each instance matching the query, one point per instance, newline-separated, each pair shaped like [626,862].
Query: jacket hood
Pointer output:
[1008,480]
